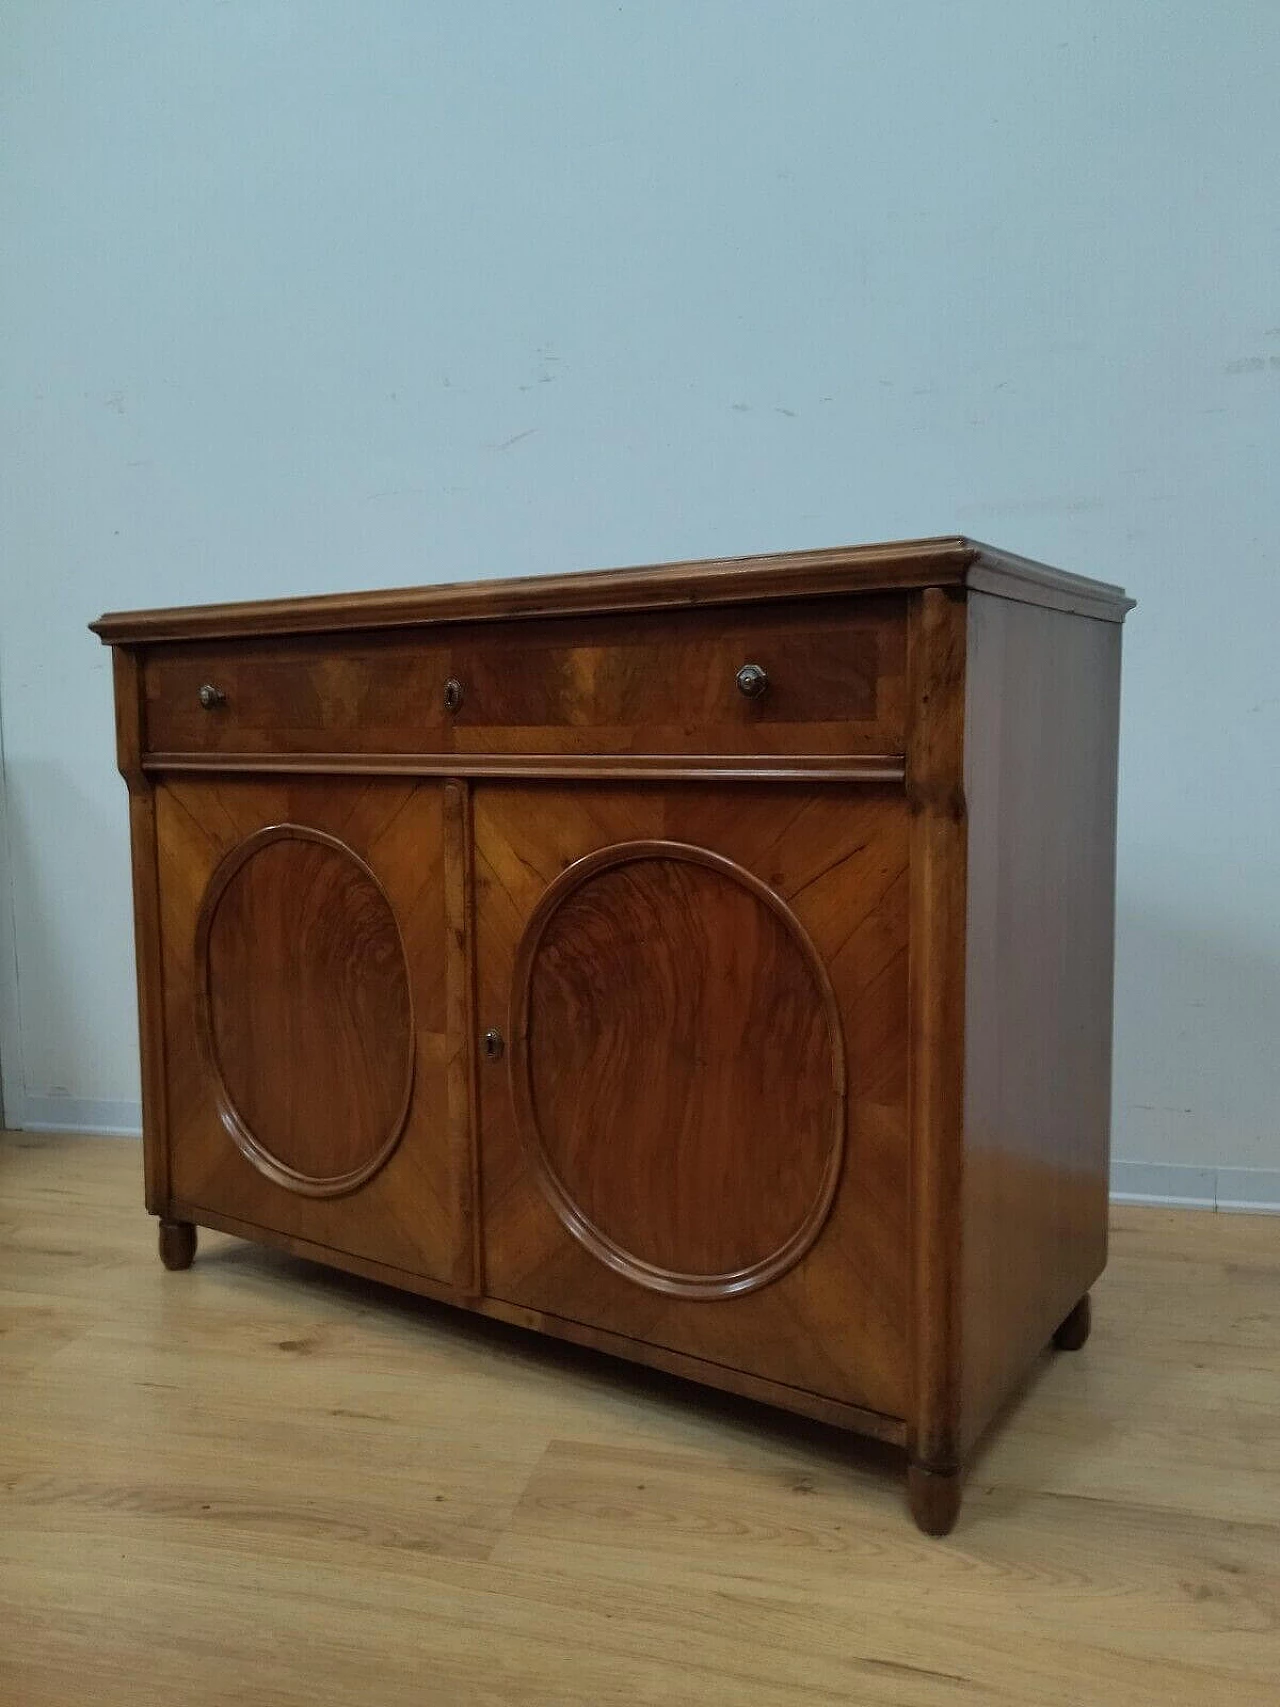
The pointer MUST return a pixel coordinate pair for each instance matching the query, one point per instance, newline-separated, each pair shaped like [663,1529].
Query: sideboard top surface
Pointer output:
[951,561]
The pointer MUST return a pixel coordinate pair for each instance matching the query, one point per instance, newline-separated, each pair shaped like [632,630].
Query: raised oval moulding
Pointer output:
[677,1282]
[256,1146]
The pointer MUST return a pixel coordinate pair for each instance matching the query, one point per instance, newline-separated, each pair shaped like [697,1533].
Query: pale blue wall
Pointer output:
[314,296]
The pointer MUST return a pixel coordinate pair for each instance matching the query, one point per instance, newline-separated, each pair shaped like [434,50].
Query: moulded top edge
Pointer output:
[904,564]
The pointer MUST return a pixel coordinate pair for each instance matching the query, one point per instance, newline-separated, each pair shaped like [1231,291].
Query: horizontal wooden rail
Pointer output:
[611,767]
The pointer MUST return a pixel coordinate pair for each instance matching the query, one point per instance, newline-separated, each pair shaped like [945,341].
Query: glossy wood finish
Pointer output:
[266,1482]
[1072,1333]
[657,989]
[342,693]
[934,1497]
[600,687]
[1042,715]
[837,862]
[900,565]
[148,952]
[333,1013]
[938,860]
[549,767]
[176,1241]
[460,1035]
[642,683]
[303,1009]
[494,943]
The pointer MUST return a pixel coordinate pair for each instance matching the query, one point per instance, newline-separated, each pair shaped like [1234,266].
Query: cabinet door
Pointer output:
[697,1135]
[305,977]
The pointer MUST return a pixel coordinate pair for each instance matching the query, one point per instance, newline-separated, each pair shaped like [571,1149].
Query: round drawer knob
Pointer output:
[210,696]
[752,681]
[452,694]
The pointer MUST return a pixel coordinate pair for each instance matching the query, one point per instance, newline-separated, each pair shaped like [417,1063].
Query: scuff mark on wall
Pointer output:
[516,438]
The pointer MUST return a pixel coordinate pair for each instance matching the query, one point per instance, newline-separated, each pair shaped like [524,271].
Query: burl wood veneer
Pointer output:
[708,963]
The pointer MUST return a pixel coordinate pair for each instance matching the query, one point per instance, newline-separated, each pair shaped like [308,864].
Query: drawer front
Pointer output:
[834,682]
[321,694]
[830,675]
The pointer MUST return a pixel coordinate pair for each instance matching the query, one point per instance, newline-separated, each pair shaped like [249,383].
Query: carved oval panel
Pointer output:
[678,1068]
[304,1009]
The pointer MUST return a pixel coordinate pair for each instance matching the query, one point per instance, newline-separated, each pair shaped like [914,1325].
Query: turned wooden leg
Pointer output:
[1074,1331]
[934,1497]
[177,1243]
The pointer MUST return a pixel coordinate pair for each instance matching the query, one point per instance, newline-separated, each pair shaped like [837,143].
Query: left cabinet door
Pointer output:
[308,979]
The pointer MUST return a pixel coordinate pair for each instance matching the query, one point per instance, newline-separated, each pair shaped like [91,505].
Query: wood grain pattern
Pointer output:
[707,920]
[363,692]
[1043,707]
[859,569]
[658,990]
[416,1494]
[551,767]
[127,680]
[835,1323]
[935,779]
[406,1209]
[459,900]
[617,685]
[604,686]
[303,1009]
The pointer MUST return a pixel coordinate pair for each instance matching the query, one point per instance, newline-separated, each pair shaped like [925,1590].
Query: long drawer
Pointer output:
[817,677]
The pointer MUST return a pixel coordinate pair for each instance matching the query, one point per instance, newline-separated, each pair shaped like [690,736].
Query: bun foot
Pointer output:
[934,1498]
[177,1243]
[1074,1331]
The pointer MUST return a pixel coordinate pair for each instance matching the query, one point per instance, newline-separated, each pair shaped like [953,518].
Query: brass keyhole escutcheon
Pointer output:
[452,694]
[493,1045]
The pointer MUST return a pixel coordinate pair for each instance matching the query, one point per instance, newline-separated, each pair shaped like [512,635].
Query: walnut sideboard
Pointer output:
[708,963]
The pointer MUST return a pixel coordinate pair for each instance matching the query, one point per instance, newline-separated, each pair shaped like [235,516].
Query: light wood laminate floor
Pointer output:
[261,1482]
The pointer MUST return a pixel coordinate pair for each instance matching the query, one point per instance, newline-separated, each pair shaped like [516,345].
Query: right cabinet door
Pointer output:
[697,1136]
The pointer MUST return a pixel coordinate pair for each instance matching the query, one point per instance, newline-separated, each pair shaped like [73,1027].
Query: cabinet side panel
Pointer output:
[1040,780]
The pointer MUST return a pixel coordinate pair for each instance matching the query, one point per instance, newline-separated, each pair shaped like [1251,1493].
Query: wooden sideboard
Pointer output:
[708,963]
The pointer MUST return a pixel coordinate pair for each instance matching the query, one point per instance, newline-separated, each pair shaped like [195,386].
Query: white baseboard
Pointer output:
[1164,1182]
[1178,1185]
[1175,1185]
[73,1114]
